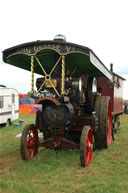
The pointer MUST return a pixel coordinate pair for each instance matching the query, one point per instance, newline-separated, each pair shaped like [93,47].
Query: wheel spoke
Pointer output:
[109,125]
[30,152]
[88,152]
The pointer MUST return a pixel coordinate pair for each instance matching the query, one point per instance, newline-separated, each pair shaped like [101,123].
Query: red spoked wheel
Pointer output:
[86,146]
[29,142]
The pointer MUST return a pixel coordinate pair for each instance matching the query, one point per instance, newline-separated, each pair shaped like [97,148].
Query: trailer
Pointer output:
[115,91]
[76,112]
[9,105]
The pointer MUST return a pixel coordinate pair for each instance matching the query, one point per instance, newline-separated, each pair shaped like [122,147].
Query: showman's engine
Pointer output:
[78,100]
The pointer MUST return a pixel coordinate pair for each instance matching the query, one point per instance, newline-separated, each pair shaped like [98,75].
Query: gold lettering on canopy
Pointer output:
[45,46]
[37,47]
[69,49]
[25,50]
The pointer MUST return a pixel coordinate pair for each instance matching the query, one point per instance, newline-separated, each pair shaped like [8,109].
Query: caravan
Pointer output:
[9,105]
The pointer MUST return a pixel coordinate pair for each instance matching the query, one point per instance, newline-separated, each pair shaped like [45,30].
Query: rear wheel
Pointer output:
[103,112]
[86,146]
[29,142]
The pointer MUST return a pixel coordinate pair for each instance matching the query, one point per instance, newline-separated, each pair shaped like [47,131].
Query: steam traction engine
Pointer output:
[74,114]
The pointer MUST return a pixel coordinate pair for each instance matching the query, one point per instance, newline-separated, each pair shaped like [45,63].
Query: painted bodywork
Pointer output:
[115,91]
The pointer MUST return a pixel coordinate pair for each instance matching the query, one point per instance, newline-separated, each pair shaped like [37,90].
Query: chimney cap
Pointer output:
[60,37]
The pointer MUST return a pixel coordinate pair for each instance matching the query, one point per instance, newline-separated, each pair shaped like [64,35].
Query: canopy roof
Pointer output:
[78,58]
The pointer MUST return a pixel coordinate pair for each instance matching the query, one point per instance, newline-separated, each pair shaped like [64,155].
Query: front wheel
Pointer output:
[86,146]
[29,142]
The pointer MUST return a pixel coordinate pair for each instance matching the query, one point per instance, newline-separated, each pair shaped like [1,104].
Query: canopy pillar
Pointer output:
[63,76]
[32,74]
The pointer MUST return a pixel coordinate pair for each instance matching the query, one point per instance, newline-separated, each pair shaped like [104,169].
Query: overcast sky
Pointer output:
[101,25]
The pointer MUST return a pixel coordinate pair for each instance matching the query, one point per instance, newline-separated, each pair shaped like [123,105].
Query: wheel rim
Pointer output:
[109,125]
[89,147]
[86,146]
[31,142]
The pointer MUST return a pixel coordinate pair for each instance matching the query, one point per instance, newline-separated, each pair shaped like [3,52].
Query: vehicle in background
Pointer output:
[9,105]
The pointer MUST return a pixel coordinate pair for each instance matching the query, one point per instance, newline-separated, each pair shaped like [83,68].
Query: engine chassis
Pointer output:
[58,139]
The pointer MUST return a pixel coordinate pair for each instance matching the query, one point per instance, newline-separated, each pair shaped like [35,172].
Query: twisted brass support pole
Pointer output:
[32,74]
[63,76]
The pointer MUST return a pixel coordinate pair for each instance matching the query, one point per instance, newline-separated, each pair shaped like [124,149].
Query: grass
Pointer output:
[48,172]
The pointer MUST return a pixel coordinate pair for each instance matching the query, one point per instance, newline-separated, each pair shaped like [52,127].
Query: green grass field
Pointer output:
[51,173]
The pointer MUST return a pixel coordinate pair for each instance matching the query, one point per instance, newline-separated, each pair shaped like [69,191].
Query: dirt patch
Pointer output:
[123,140]
[4,139]
[6,163]
[125,123]
[79,173]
